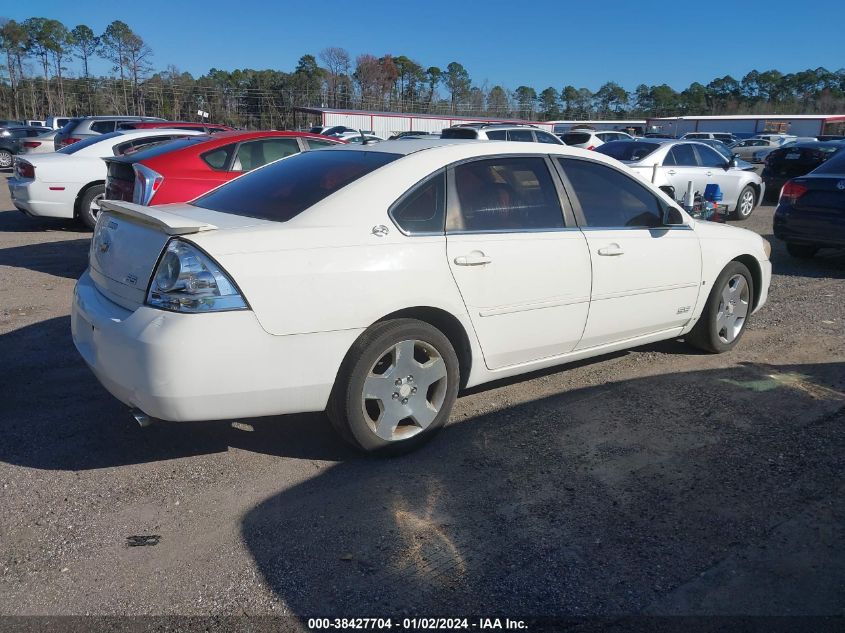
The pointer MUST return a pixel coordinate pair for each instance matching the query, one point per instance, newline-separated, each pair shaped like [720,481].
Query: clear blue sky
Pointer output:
[539,44]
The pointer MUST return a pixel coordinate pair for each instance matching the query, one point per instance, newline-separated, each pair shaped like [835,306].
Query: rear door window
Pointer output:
[505,194]
[497,135]
[254,154]
[682,155]
[609,198]
[523,136]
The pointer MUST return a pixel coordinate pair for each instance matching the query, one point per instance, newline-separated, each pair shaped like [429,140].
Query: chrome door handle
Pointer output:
[611,251]
[475,258]
[709,173]
[671,172]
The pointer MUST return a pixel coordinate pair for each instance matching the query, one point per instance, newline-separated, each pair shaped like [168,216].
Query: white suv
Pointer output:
[725,137]
[500,132]
[591,139]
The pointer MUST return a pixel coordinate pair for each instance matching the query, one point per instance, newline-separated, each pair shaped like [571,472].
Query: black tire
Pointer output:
[86,215]
[743,210]
[801,251]
[352,415]
[6,159]
[706,334]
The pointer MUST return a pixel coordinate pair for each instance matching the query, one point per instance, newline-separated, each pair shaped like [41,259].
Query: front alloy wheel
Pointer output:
[733,309]
[746,203]
[5,159]
[396,387]
[726,313]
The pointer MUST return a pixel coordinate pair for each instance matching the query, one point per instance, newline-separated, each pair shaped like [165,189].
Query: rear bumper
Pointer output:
[36,198]
[222,365]
[808,227]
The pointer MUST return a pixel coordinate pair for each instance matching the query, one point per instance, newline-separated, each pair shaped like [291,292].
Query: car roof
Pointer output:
[237,135]
[162,123]
[115,117]
[162,131]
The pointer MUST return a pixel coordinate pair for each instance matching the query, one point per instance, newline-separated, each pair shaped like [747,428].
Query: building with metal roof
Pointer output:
[743,125]
[386,124]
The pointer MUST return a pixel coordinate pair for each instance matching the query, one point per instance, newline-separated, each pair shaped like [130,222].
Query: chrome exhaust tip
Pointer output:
[141,418]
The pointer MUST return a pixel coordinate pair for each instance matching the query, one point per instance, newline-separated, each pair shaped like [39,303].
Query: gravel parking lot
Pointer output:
[655,481]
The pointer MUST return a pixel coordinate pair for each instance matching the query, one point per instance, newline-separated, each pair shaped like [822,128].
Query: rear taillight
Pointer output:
[32,144]
[147,183]
[592,147]
[792,191]
[70,140]
[24,169]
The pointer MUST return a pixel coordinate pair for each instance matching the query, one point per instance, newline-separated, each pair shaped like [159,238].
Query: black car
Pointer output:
[811,211]
[796,160]
[10,141]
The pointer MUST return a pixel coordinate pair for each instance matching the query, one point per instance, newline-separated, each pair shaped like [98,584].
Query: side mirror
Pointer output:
[733,162]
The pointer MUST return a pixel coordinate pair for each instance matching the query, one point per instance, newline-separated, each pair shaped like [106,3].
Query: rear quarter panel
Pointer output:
[296,285]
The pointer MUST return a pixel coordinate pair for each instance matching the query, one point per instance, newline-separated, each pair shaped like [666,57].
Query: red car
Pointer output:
[183,169]
[211,128]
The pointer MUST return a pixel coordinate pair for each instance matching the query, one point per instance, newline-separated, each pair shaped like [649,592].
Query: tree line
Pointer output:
[47,70]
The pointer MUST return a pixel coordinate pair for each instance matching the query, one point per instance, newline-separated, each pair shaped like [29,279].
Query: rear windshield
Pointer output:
[166,147]
[576,138]
[834,165]
[87,142]
[459,132]
[284,189]
[628,150]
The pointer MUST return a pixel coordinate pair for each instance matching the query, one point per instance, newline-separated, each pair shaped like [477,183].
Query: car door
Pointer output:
[522,269]
[680,167]
[645,275]
[713,165]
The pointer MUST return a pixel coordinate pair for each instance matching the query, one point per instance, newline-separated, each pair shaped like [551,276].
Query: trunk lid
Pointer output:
[823,195]
[129,239]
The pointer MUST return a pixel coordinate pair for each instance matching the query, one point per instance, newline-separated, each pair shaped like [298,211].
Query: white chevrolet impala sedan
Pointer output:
[375,282]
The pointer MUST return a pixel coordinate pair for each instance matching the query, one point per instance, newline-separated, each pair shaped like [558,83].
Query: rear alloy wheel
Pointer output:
[801,251]
[745,204]
[396,388]
[726,312]
[89,205]
[5,159]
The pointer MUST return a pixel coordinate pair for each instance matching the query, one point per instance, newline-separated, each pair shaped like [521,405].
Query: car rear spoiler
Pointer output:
[170,223]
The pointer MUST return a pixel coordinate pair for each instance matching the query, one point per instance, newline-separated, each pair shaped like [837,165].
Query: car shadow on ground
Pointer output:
[63,258]
[58,416]
[828,262]
[55,415]
[14,221]
[714,491]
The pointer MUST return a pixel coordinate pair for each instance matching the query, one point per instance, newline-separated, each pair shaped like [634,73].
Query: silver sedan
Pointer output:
[672,165]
